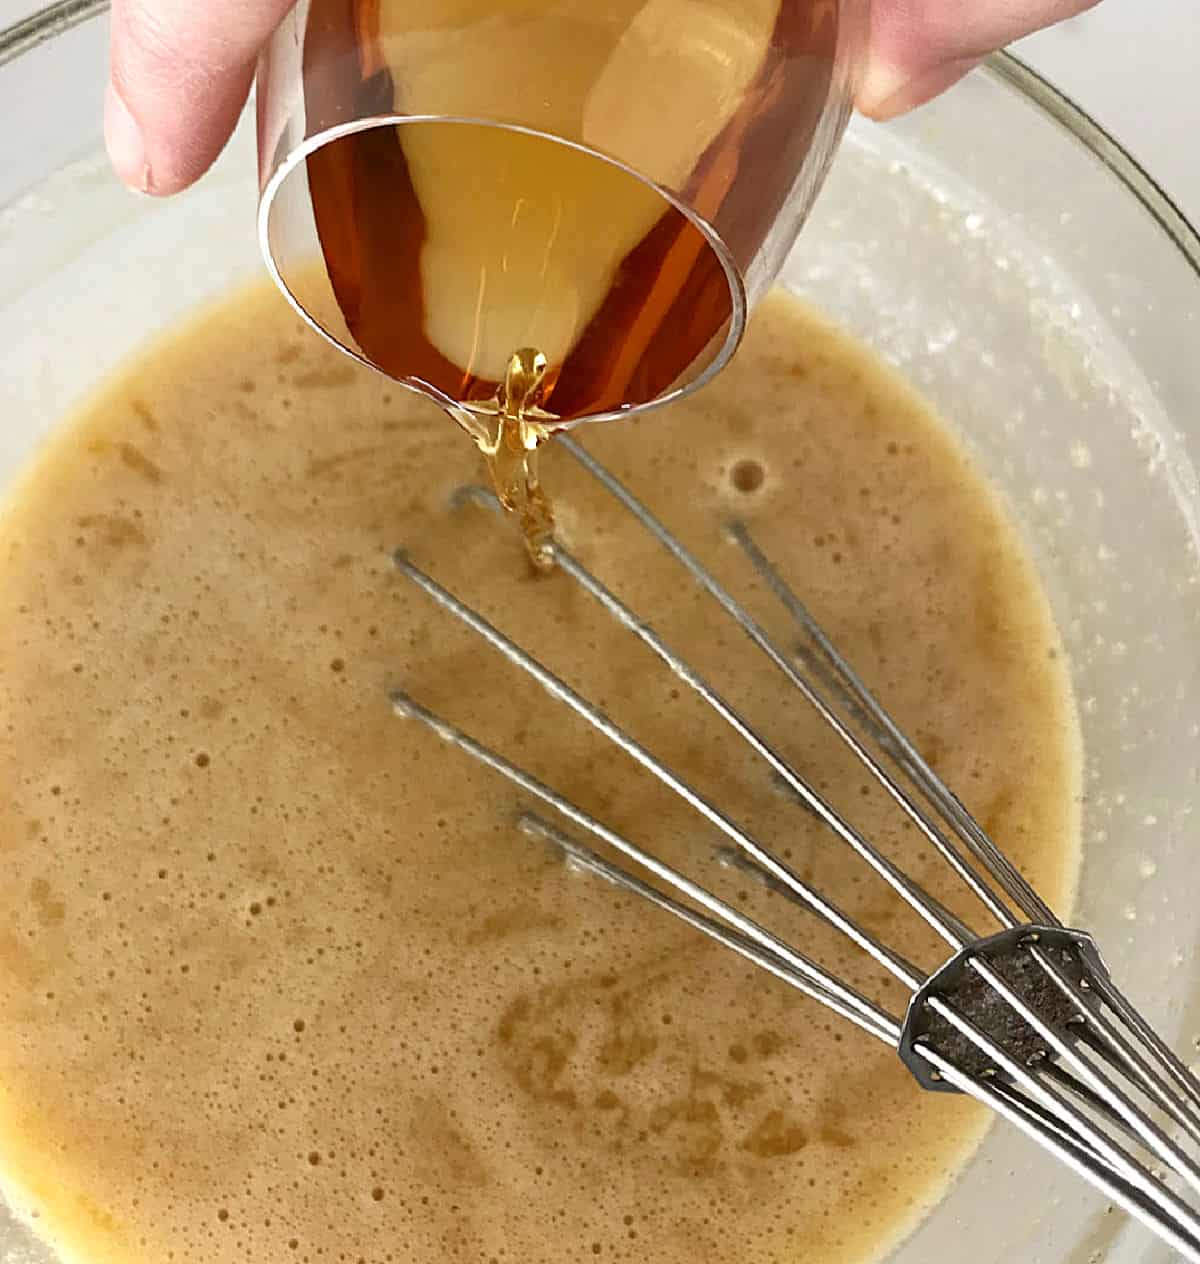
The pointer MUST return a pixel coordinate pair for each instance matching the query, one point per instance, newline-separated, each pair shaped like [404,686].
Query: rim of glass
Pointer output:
[292,160]
[56,19]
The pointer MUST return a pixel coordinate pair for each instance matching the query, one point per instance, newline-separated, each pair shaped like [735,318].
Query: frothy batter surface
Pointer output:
[279,980]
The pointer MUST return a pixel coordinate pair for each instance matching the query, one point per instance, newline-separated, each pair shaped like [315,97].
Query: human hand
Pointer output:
[919,48]
[180,72]
[181,69]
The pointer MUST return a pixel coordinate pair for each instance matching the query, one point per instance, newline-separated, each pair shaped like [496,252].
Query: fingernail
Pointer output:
[888,92]
[123,138]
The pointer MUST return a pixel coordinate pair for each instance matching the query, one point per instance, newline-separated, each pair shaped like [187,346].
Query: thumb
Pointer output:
[920,47]
[180,73]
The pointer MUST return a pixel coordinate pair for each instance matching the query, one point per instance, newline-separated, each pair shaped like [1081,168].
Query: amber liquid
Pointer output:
[509,443]
[449,246]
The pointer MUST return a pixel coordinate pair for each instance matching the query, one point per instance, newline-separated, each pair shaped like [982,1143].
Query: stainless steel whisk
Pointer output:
[1022,1016]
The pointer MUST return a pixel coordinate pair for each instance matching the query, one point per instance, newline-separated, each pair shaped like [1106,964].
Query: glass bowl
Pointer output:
[1020,269]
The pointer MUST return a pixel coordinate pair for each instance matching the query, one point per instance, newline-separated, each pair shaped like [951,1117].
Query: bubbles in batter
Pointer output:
[279,977]
[747,475]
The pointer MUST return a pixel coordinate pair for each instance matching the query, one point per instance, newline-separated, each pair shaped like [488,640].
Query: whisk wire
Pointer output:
[893,962]
[1001,868]
[1092,1076]
[1112,1162]
[758,637]
[1111,1043]
[1026,1020]
[732,859]
[1109,1166]
[1049,1131]
[1168,1061]
[806,975]
[950,928]
[884,1027]
[892,739]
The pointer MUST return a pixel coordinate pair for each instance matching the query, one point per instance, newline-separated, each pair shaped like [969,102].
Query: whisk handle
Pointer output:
[965,984]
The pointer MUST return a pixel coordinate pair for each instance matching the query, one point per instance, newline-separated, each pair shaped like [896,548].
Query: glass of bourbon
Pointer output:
[613,183]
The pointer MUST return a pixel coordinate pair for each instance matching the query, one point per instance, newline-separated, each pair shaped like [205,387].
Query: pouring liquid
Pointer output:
[510,451]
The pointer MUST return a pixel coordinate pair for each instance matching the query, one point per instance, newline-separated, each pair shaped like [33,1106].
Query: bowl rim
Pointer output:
[56,19]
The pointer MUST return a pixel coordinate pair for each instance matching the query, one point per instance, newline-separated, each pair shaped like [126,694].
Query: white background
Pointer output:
[1133,64]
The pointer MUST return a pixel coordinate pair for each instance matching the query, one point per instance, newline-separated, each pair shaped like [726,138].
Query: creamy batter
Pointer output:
[280,980]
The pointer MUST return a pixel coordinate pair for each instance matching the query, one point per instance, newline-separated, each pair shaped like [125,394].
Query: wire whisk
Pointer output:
[1022,1016]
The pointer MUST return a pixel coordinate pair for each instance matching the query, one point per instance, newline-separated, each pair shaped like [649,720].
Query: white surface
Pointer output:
[1132,64]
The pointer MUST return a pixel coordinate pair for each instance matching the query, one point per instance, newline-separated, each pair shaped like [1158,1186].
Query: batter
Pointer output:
[279,980]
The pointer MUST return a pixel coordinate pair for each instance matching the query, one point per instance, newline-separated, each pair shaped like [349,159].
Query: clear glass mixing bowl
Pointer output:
[1017,266]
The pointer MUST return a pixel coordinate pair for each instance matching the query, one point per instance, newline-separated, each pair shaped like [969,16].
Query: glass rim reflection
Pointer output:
[288,164]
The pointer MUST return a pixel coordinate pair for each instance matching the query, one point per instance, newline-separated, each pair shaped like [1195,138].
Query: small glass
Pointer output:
[610,184]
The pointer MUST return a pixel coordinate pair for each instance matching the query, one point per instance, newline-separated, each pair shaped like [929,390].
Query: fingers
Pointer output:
[920,47]
[181,69]
[180,72]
